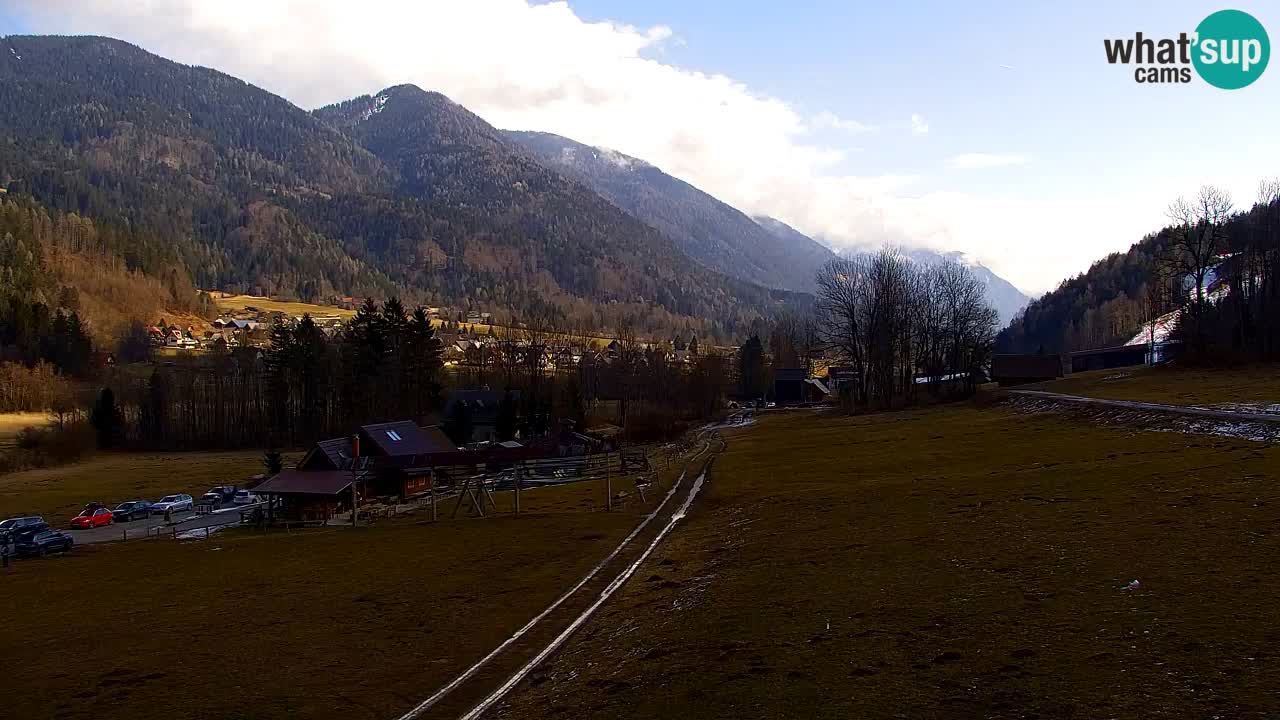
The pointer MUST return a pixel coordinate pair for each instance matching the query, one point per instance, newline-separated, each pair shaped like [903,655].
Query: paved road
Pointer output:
[1208,413]
[138,529]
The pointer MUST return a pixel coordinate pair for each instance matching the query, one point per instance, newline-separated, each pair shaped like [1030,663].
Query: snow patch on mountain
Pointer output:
[379,103]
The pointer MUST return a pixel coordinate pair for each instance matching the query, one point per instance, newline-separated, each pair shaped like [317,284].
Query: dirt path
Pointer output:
[1222,422]
[491,678]
[1208,413]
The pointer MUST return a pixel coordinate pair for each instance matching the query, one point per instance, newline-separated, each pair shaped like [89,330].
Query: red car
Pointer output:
[94,515]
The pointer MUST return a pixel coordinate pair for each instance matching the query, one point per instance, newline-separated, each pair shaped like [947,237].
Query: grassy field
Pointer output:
[58,493]
[12,423]
[241,302]
[328,623]
[1175,385]
[953,562]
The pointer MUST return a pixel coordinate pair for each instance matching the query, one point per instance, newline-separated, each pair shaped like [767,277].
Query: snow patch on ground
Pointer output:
[1244,407]
[737,421]
[199,533]
[1152,421]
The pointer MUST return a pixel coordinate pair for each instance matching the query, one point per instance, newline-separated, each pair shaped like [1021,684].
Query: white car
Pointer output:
[175,503]
[244,497]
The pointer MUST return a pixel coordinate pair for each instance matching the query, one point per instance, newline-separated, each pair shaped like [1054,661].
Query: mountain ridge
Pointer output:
[421,198]
[710,231]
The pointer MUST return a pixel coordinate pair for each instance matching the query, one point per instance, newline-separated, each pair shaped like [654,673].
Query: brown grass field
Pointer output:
[58,493]
[240,302]
[953,562]
[1175,385]
[12,423]
[327,623]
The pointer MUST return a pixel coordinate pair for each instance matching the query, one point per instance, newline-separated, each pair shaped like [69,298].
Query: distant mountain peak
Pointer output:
[1002,294]
[713,233]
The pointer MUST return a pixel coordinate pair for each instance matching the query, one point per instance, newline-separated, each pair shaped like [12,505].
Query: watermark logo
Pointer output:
[1229,50]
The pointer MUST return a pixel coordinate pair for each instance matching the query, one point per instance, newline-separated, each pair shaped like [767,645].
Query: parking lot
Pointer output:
[181,525]
[155,524]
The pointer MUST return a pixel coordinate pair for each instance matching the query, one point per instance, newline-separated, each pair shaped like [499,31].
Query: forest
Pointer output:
[894,322]
[243,191]
[1216,266]
[65,289]
[386,365]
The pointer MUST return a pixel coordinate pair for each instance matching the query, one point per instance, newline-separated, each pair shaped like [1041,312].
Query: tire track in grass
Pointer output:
[421,709]
[585,615]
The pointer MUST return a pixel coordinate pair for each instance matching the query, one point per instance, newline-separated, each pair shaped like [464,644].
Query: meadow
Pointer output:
[950,562]
[329,622]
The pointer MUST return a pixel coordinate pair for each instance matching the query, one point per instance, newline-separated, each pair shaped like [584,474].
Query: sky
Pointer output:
[993,128]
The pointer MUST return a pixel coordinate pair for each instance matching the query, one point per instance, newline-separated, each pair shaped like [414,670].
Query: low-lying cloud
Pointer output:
[969,161]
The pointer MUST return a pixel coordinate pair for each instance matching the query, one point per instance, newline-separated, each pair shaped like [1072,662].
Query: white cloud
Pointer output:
[970,161]
[541,67]
[829,120]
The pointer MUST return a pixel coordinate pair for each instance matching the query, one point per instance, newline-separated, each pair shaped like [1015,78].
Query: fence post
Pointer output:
[608,482]
[433,499]
[518,474]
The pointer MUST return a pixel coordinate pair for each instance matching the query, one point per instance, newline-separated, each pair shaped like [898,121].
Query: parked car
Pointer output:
[209,501]
[175,503]
[93,515]
[226,492]
[131,510]
[44,542]
[244,497]
[10,527]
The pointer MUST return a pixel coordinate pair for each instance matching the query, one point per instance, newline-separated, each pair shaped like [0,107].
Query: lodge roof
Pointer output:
[306,482]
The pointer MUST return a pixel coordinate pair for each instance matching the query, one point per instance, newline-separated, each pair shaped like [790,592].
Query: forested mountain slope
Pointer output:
[250,192]
[1109,303]
[706,229]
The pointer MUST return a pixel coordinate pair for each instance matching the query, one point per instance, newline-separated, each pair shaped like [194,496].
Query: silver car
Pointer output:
[173,503]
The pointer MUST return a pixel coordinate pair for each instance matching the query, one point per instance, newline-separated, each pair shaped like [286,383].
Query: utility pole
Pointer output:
[355,457]
[517,478]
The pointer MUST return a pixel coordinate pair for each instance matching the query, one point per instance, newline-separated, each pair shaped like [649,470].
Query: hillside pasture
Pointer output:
[1240,386]
[321,623]
[950,562]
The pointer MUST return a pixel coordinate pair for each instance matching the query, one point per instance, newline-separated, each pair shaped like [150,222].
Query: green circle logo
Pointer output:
[1232,49]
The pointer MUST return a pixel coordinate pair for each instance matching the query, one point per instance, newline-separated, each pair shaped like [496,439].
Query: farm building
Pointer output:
[1022,369]
[1107,358]
[483,406]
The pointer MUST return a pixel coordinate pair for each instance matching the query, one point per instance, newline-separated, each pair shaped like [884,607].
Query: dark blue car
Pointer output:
[44,542]
[131,510]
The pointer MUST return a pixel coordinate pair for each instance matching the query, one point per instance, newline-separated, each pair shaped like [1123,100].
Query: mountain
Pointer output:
[1001,294]
[706,229]
[805,251]
[401,192]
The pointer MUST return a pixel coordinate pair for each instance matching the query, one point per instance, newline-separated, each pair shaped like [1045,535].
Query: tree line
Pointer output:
[891,321]
[1214,268]
[386,364]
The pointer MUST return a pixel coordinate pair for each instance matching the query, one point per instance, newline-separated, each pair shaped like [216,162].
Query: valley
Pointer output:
[349,369]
